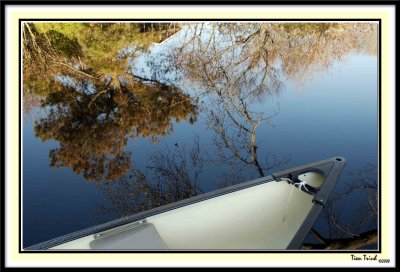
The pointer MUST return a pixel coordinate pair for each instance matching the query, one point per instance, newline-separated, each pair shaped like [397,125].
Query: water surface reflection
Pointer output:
[104,87]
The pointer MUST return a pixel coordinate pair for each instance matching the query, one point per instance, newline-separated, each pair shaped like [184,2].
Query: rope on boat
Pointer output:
[301,184]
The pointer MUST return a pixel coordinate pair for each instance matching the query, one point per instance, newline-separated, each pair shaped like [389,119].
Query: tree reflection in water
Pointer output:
[95,99]
[170,176]
[239,64]
[92,110]
[92,124]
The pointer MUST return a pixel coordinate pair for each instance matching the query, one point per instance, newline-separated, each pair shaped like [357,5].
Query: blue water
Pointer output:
[334,114]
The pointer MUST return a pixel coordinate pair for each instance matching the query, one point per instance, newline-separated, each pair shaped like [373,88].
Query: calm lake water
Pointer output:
[120,118]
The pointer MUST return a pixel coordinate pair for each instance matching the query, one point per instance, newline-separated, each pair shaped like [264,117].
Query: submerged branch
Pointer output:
[362,240]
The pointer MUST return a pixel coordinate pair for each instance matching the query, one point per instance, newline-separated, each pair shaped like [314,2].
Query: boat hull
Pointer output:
[271,213]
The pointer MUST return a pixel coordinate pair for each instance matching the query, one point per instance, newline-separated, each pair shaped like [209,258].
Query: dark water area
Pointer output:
[121,118]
